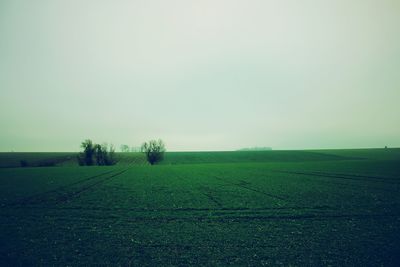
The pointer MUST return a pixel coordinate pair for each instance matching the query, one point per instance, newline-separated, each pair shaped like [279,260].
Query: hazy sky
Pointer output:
[202,75]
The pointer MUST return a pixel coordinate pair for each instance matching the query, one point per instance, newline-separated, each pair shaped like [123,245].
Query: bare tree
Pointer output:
[96,154]
[124,148]
[110,159]
[100,154]
[86,157]
[154,150]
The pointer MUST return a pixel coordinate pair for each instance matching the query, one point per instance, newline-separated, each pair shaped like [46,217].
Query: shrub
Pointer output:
[154,150]
[96,154]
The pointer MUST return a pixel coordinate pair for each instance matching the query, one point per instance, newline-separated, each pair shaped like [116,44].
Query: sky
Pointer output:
[201,75]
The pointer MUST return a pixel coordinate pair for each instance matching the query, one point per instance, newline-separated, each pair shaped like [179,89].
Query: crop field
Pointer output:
[307,208]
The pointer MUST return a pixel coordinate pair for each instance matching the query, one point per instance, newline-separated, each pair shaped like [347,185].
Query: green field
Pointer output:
[312,208]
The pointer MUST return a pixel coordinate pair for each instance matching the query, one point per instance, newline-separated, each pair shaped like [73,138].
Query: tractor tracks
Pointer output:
[76,193]
[245,186]
[212,198]
[68,192]
[344,176]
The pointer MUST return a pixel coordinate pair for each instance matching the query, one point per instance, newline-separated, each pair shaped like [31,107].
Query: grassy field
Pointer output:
[32,159]
[313,208]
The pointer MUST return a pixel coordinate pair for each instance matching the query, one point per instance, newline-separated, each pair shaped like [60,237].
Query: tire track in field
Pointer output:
[40,197]
[212,198]
[74,194]
[358,186]
[319,213]
[260,217]
[359,175]
[207,191]
[46,196]
[264,217]
[344,176]
[245,186]
[183,210]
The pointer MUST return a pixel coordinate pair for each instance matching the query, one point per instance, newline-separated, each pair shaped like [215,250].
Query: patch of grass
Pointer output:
[42,159]
[37,159]
[296,208]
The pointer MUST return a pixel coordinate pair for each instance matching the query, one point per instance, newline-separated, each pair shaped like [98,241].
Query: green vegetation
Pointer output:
[135,158]
[96,154]
[314,208]
[37,159]
[154,151]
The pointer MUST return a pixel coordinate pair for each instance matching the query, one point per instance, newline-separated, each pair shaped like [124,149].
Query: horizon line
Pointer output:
[236,150]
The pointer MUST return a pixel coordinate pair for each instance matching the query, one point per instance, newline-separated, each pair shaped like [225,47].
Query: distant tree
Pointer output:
[154,150]
[96,154]
[86,157]
[100,154]
[124,148]
[110,159]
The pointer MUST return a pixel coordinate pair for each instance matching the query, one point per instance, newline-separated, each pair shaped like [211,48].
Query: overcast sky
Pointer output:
[201,75]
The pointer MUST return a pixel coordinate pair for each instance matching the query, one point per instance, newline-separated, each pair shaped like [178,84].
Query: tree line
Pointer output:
[96,154]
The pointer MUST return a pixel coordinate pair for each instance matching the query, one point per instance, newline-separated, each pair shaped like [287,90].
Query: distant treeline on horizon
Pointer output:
[255,148]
